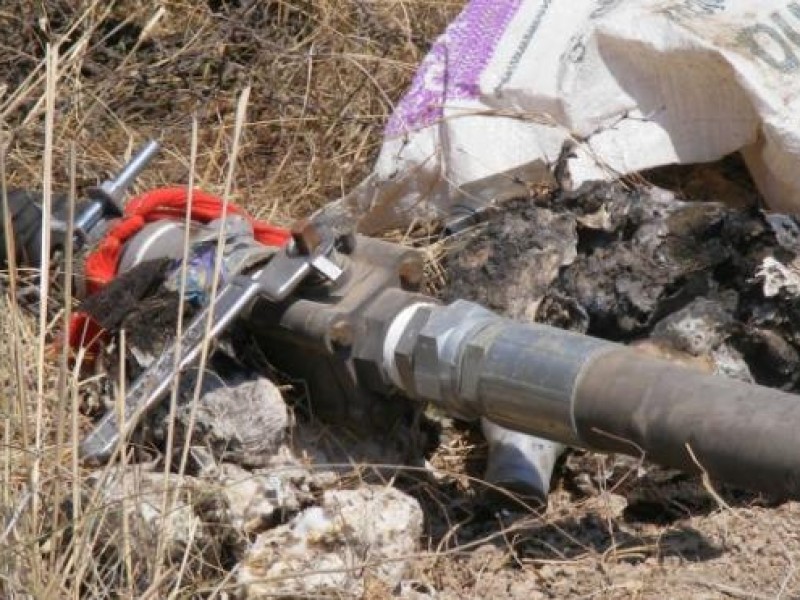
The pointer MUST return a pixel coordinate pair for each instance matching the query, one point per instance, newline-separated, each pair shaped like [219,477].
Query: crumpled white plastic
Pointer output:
[632,84]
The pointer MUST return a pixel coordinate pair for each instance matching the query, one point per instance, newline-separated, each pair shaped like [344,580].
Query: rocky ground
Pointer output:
[272,505]
[269,503]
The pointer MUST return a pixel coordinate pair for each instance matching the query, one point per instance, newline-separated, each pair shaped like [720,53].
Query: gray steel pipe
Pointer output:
[598,395]
[106,201]
[116,188]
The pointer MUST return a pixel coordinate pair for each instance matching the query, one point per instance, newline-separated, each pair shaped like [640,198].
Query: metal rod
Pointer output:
[116,188]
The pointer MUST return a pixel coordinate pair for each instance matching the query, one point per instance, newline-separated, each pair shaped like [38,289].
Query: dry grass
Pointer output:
[95,79]
[322,76]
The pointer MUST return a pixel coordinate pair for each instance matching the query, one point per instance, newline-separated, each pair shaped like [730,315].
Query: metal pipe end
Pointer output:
[116,188]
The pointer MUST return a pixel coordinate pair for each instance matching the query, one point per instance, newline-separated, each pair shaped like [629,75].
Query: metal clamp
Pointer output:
[309,252]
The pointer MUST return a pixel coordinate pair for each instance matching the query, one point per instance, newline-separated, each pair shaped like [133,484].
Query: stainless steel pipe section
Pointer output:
[595,394]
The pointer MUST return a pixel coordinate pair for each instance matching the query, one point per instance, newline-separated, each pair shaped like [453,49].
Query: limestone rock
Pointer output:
[779,278]
[257,501]
[333,548]
[133,520]
[415,590]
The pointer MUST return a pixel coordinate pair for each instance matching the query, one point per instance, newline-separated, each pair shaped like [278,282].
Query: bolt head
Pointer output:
[306,236]
[341,334]
[412,272]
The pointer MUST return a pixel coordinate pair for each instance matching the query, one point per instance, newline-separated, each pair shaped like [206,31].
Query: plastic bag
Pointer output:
[618,85]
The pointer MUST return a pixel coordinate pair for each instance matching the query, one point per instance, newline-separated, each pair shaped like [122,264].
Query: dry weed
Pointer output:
[91,80]
[323,75]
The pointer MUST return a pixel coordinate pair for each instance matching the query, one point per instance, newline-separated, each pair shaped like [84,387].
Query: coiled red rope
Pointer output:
[161,203]
[164,203]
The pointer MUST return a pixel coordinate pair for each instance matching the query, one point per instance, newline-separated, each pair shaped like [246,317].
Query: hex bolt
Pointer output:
[412,272]
[346,244]
[306,236]
[341,334]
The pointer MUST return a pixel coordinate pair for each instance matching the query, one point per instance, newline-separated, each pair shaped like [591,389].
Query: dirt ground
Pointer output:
[323,77]
[595,548]
[677,275]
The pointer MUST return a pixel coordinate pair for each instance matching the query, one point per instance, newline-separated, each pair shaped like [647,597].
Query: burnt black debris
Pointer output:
[138,303]
[633,262]
[114,303]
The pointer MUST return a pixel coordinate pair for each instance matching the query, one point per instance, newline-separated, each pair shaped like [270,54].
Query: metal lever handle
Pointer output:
[276,281]
[106,200]
[115,189]
[151,385]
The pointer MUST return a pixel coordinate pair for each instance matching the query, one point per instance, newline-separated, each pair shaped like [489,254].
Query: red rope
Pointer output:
[162,203]
[165,203]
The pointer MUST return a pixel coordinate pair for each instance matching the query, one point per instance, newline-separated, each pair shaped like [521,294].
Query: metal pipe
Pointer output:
[116,188]
[595,394]
[106,201]
[519,462]
[746,435]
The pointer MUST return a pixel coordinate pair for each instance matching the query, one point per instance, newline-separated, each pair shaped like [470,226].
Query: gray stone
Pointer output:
[729,362]
[699,328]
[245,423]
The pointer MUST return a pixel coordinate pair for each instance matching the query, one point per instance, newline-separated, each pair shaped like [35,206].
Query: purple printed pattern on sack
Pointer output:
[454,65]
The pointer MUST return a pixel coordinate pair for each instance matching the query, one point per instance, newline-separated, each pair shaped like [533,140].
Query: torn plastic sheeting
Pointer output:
[634,83]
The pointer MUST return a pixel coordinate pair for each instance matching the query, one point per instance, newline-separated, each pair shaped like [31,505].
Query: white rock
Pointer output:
[330,549]
[415,590]
[133,518]
[257,501]
[778,278]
